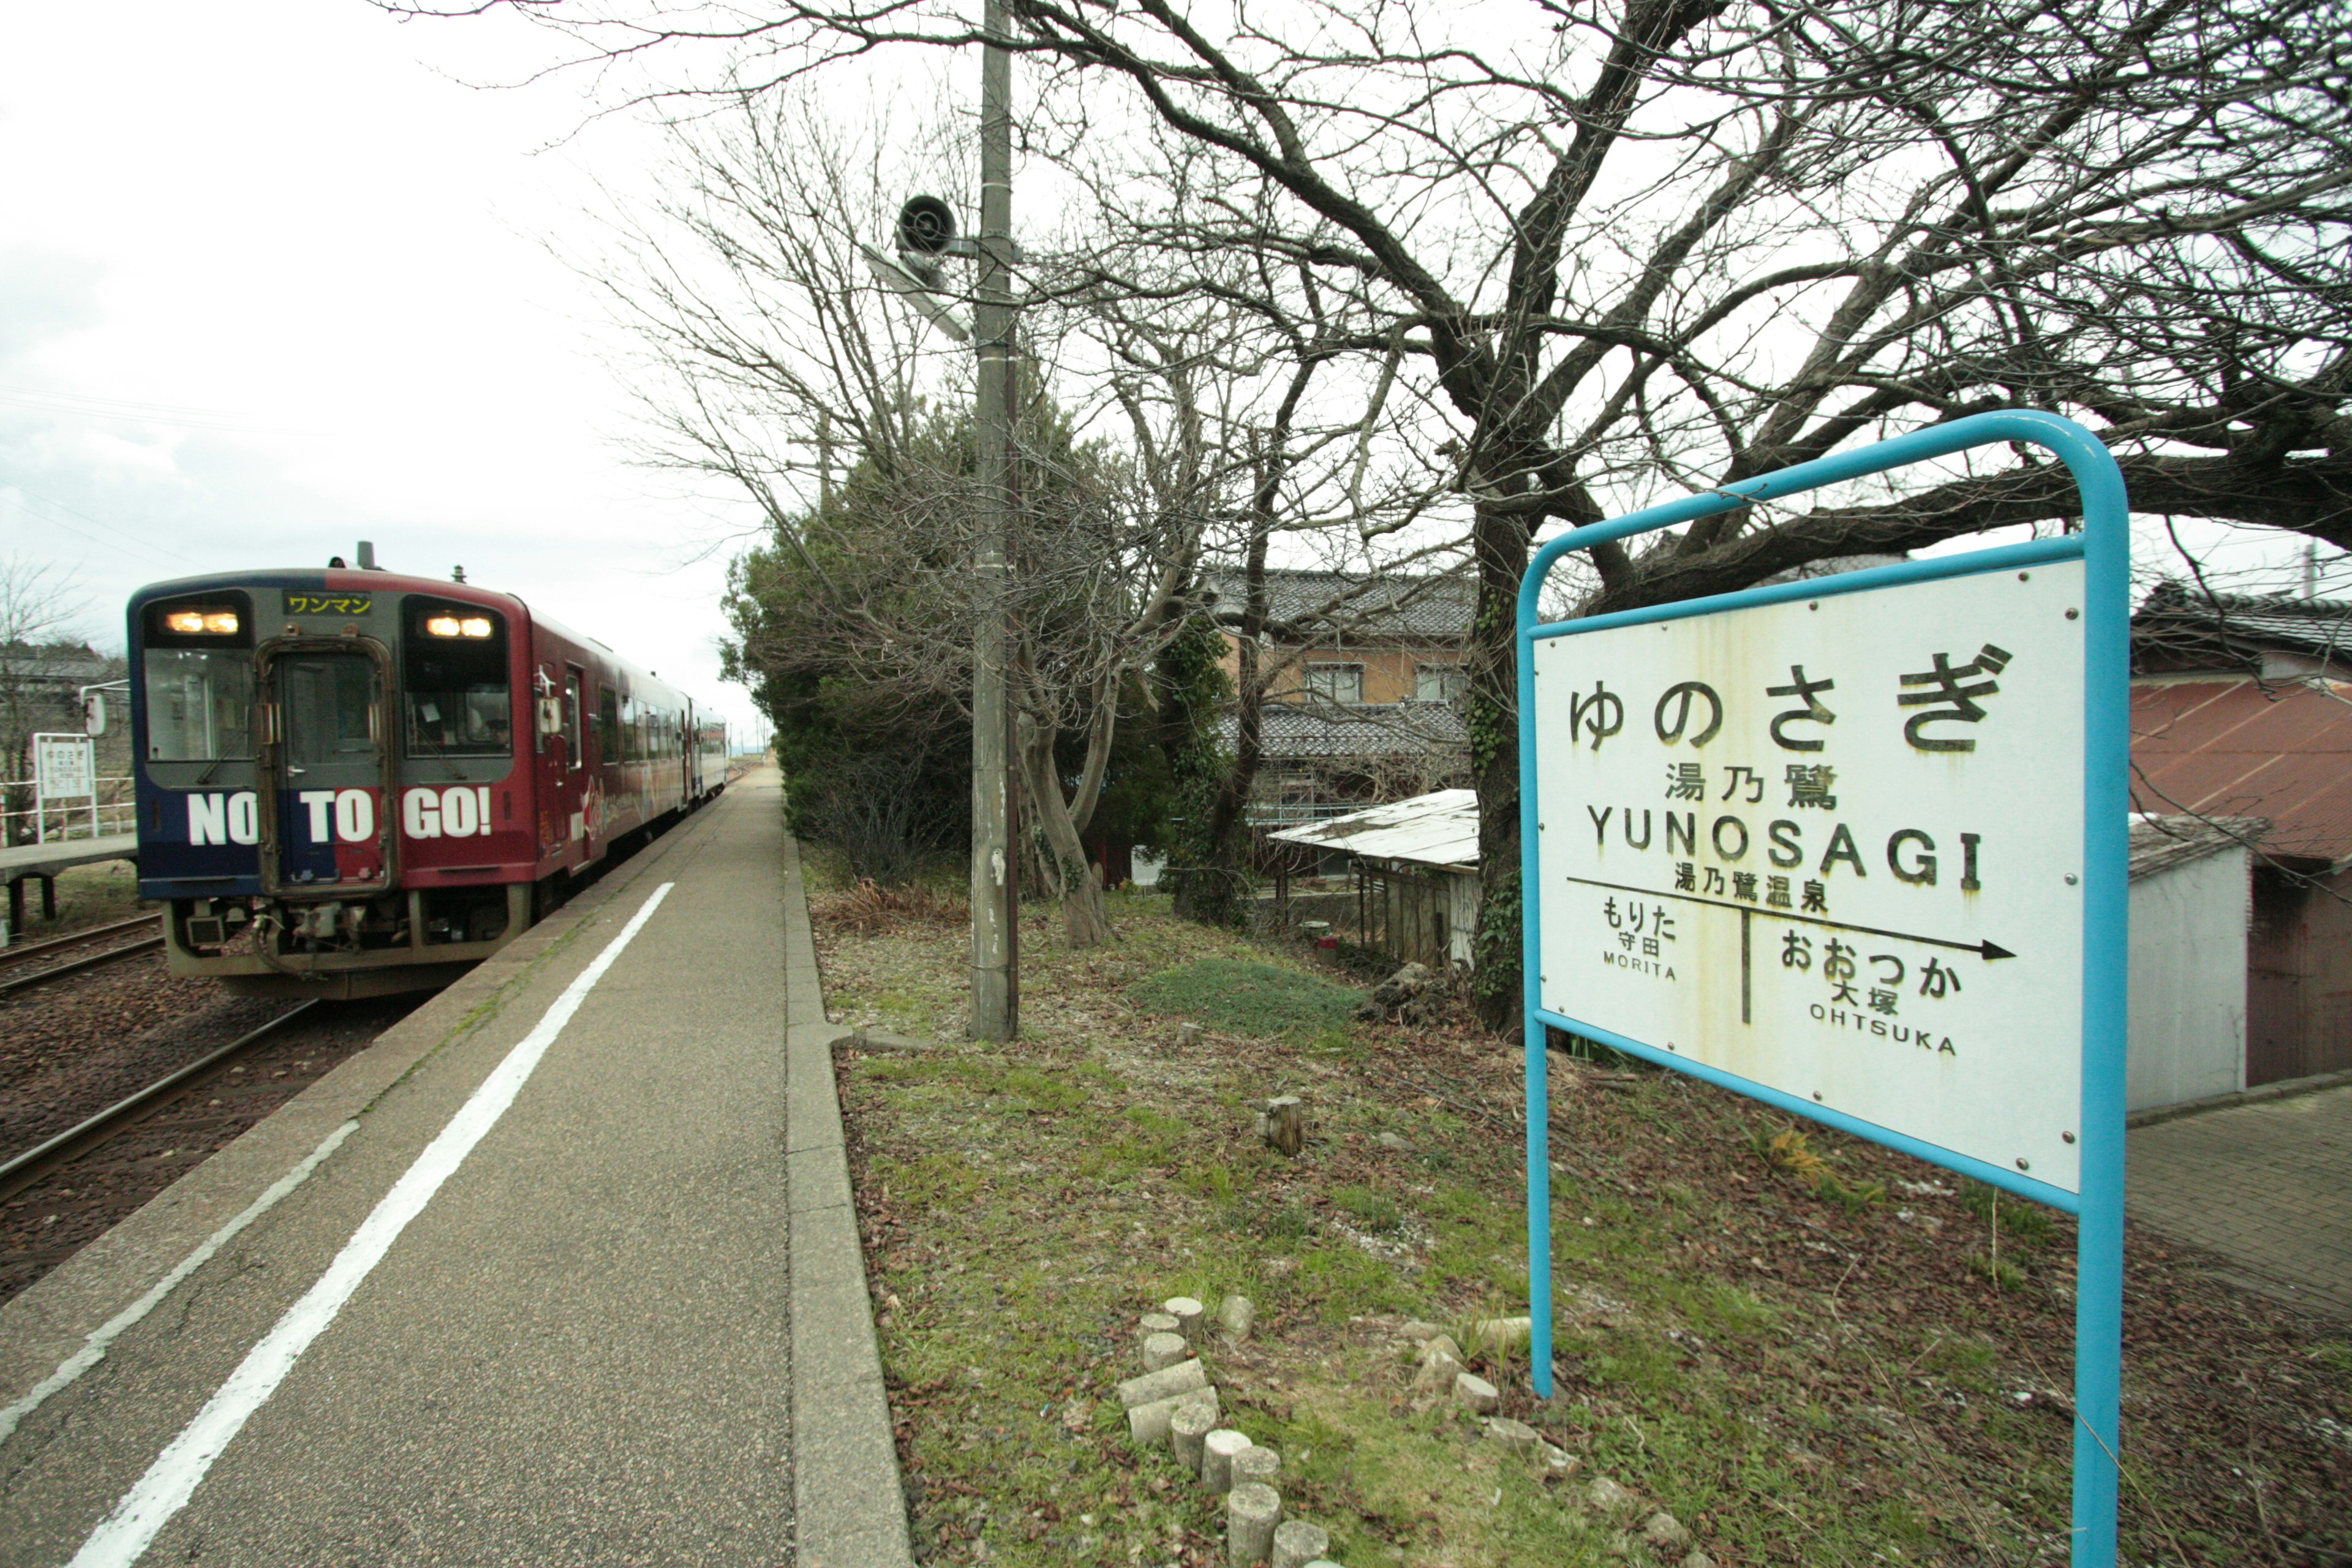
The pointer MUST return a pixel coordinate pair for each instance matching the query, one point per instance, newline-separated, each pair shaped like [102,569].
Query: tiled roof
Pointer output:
[2235,746]
[1357,607]
[2176,629]
[1303,732]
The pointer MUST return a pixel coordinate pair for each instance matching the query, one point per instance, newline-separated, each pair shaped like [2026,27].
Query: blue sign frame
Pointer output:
[2104,546]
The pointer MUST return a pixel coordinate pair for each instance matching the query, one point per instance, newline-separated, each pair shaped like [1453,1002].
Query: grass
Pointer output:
[1801,1367]
[1248,997]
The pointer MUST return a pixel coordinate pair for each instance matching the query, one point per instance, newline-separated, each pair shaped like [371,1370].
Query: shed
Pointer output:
[2280,750]
[1415,866]
[2191,884]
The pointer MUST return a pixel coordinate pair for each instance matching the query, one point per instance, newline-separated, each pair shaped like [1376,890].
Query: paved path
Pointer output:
[2268,1185]
[579,1347]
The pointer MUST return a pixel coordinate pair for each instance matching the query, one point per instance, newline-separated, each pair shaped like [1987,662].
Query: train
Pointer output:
[351,782]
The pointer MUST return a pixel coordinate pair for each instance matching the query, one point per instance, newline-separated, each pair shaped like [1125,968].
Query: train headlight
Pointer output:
[202,623]
[442,625]
[475,625]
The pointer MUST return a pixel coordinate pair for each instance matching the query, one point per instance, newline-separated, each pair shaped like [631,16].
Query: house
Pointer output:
[1414,869]
[2241,708]
[1365,700]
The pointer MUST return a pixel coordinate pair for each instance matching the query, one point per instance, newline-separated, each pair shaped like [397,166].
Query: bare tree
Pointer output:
[769,350]
[1651,246]
[39,611]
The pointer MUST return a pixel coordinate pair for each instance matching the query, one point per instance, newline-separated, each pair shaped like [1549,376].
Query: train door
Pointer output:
[580,792]
[325,766]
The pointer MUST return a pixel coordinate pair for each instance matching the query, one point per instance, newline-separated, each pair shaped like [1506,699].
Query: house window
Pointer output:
[1439,683]
[1336,682]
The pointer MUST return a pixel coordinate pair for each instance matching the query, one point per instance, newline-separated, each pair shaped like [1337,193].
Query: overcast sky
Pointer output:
[273,279]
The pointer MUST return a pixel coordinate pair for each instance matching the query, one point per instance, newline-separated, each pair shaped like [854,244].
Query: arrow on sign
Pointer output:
[1985,949]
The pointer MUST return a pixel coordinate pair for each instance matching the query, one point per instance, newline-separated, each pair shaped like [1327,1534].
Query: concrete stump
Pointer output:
[1217,1452]
[1517,1435]
[1147,1424]
[1188,1314]
[1188,1429]
[1253,1510]
[1476,1392]
[1237,1315]
[1182,1378]
[1154,1323]
[1297,1543]
[1283,1125]
[1256,1463]
[1164,1350]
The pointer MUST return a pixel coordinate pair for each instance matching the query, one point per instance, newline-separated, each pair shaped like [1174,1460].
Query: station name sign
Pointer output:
[1831,846]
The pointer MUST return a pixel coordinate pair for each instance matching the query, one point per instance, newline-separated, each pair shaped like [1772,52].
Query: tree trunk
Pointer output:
[1211,890]
[1085,922]
[1499,541]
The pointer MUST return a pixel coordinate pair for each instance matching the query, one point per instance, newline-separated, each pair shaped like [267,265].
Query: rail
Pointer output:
[16,979]
[30,1166]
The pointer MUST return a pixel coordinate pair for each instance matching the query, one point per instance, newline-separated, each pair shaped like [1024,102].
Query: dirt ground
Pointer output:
[1806,1349]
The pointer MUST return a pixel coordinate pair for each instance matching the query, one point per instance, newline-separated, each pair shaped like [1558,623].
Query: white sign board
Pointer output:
[1832,847]
[63,767]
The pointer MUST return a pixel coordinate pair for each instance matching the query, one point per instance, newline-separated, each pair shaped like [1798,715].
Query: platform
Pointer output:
[580,1345]
[21,861]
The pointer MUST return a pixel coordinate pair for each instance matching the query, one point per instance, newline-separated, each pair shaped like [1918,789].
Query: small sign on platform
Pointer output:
[64,767]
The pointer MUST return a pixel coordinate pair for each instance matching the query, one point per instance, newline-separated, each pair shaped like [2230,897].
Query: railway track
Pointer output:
[210,1069]
[39,1161]
[15,978]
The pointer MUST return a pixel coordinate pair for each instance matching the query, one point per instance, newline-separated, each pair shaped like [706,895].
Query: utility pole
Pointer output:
[996,977]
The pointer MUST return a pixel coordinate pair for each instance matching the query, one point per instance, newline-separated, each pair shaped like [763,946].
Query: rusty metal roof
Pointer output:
[2227,746]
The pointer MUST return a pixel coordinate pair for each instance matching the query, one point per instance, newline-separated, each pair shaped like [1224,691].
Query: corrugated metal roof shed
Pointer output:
[1440,829]
[2161,843]
[2229,746]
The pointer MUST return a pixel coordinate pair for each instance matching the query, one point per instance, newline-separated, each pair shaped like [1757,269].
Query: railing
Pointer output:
[111,810]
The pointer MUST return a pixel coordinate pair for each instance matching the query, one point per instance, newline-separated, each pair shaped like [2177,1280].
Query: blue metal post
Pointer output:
[2106,549]
[1534,1028]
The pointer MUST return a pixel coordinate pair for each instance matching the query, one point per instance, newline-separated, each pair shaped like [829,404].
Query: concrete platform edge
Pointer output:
[848,1498]
[50,1321]
[2285,1089]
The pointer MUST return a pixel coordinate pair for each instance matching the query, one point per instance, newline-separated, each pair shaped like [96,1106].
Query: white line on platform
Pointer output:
[93,1349]
[173,1478]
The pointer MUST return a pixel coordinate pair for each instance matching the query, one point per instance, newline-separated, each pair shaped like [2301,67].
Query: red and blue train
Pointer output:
[351,782]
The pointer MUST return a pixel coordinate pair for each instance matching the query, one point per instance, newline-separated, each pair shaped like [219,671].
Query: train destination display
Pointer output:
[1832,846]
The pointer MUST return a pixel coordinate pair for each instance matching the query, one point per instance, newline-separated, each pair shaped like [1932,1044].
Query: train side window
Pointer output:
[608,726]
[572,718]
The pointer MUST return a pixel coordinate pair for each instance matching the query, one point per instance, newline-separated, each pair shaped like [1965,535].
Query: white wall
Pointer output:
[2189,981]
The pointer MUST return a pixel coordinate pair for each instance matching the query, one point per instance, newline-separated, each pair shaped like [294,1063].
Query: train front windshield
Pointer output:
[198,669]
[458,700]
